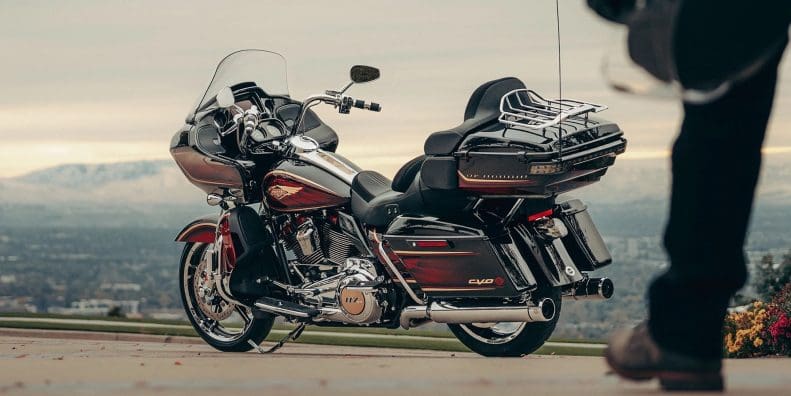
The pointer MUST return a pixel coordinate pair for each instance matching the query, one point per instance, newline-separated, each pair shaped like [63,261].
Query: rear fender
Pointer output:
[199,230]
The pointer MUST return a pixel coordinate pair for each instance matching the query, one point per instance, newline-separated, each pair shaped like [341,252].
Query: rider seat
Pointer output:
[376,200]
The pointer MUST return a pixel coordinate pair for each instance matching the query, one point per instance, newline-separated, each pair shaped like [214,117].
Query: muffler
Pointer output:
[440,312]
[590,289]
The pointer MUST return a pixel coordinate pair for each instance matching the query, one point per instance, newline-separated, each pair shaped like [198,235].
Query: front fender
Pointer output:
[199,230]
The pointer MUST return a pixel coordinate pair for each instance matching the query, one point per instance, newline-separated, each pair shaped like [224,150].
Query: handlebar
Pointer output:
[343,103]
[372,106]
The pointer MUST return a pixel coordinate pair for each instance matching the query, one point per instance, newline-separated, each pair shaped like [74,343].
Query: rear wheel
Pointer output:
[223,324]
[508,339]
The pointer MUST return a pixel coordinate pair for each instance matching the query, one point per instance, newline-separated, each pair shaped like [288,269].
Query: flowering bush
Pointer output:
[761,329]
[744,332]
[779,329]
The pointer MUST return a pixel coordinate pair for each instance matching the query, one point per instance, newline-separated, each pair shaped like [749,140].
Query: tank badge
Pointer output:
[279,192]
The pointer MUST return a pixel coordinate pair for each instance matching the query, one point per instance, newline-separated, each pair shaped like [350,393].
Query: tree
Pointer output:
[770,277]
[116,312]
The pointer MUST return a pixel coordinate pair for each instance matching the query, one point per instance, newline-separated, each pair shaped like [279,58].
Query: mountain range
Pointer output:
[156,194]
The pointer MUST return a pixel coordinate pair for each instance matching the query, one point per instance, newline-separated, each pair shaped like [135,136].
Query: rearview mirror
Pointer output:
[362,74]
[225,98]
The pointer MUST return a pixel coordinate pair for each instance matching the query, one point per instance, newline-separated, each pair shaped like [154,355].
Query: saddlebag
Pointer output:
[583,242]
[445,260]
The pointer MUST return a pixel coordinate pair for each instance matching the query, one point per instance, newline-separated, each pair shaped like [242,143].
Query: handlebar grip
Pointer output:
[360,104]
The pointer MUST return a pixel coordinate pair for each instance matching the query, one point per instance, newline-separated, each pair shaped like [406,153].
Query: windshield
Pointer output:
[266,69]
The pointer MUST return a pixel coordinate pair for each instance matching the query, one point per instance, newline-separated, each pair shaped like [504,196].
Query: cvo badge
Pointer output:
[279,192]
[486,281]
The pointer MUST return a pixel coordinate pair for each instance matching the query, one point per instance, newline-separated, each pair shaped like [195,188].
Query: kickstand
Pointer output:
[293,335]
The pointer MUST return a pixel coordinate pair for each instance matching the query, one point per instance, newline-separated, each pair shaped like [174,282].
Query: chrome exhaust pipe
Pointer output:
[590,289]
[439,312]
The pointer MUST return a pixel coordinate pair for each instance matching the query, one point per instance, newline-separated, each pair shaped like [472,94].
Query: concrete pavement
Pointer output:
[65,363]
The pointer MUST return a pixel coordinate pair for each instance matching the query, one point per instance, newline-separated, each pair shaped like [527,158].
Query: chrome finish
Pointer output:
[590,289]
[398,275]
[305,238]
[279,309]
[525,109]
[303,144]
[551,228]
[206,320]
[512,212]
[311,101]
[441,312]
[327,161]
[350,226]
[502,332]
[214,199]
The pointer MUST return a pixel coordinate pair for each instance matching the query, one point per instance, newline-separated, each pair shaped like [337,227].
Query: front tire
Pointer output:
[215,319]
[509,339]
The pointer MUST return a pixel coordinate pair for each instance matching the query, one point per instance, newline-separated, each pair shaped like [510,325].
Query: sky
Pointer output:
[109,81]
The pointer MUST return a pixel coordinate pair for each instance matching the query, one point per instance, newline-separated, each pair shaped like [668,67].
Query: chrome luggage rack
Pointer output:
[525,109]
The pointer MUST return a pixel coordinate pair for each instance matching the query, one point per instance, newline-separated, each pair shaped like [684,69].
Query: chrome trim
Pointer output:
[336,168]
[540,113]
[499,328]
[280,310]
[441,312]
[397,274]
[590,289]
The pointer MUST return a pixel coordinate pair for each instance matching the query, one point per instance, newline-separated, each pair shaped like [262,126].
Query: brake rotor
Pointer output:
[209,301]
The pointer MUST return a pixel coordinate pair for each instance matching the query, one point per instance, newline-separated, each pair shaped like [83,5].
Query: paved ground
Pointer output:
[65,363]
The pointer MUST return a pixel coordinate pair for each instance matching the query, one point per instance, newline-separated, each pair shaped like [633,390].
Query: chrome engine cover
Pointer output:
[357,299]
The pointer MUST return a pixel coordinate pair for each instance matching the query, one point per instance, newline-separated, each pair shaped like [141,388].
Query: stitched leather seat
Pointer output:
[375,200]
[483,109]
[368,184]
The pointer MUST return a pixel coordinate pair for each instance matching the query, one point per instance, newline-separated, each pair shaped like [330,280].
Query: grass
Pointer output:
[391,338]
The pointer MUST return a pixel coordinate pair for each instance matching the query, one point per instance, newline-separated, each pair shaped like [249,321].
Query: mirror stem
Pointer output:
[346,87]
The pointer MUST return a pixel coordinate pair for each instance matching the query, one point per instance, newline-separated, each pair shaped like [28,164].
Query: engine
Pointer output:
[358,294]
[333,273]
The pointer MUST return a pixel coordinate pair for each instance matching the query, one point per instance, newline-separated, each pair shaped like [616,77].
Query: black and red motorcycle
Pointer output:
[472,233]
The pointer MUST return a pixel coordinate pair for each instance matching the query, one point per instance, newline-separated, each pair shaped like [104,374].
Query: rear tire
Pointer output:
[509,339]
[215,332]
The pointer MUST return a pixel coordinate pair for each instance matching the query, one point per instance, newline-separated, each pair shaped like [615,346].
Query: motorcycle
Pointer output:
[473,234]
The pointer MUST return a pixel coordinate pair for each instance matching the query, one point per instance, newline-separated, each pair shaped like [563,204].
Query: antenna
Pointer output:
[560,83]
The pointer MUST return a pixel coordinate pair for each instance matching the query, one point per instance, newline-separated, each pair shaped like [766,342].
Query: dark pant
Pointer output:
[716,161]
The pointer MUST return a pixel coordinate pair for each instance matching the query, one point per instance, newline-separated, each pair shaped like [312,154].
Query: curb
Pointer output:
[98,336]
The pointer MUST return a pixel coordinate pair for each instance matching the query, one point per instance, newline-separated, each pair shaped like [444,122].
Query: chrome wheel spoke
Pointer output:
[242,311]
[206,307]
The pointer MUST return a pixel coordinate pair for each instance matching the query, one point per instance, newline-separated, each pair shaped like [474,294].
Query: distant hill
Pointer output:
[630,199]
[142,193]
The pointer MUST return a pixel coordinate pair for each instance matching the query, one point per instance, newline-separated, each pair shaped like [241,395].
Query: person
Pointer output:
[724,54]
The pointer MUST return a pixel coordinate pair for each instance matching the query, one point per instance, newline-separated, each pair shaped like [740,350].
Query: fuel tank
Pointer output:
[296,185]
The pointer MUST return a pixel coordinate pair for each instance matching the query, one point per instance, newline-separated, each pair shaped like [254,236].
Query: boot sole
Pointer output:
[674,380]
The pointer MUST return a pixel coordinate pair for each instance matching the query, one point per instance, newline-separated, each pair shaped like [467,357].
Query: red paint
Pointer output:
[431,244]
[437,272]
[535,216]
[227,250]
[286,192]
[204,235]
[499,281]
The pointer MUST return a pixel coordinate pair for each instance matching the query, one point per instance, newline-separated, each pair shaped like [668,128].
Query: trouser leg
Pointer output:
[716,161]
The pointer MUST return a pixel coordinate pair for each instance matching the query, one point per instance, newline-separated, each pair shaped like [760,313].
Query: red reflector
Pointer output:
[536,216]
[430,244]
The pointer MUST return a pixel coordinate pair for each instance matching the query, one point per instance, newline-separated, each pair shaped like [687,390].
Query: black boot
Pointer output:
[634,355]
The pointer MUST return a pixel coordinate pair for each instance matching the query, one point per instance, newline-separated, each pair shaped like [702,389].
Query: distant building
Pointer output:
[121,286]
[17,304]
[98,307]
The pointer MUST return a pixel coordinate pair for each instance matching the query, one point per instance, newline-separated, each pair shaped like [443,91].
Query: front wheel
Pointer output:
[224,325]
[508,339]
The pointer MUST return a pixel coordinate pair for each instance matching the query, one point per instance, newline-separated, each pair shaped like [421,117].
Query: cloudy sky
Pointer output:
[104,81]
